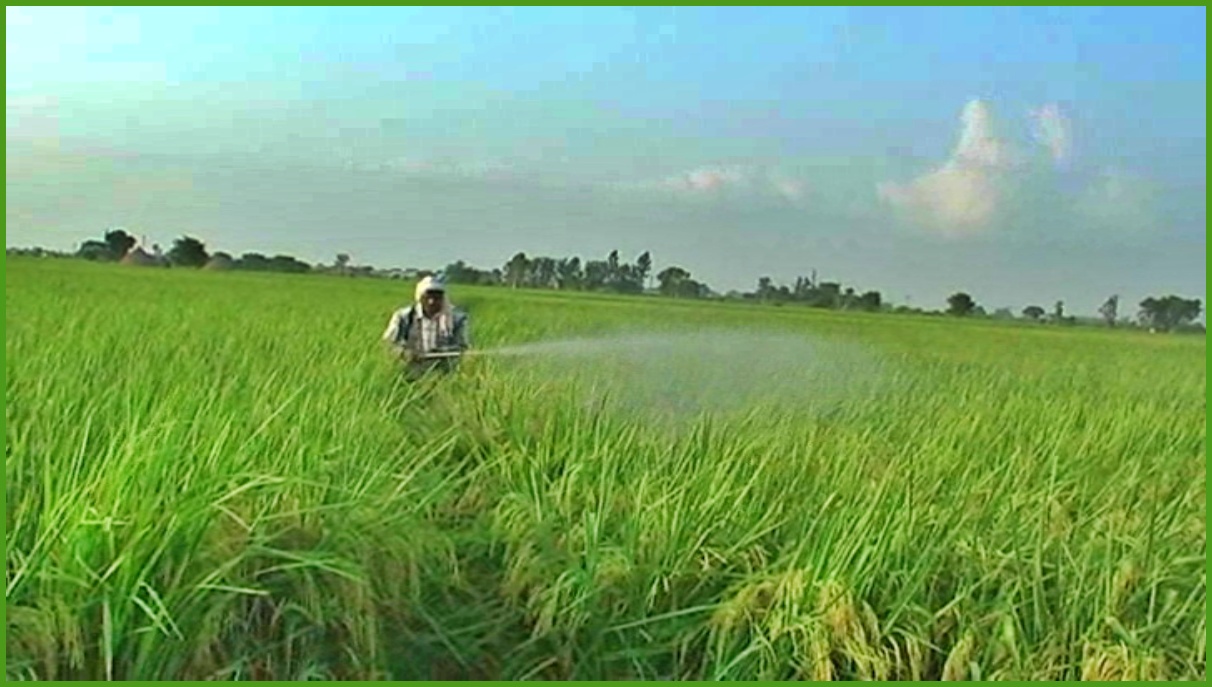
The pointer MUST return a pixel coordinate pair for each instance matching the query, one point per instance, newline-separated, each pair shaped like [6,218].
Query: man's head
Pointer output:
[431,295]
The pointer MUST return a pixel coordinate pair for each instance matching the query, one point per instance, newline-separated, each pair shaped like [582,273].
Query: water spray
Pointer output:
[689,373]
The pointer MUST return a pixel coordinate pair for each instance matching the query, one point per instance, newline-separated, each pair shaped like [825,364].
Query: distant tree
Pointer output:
[597,273]
[643,268]
[827,294]
[672,281]
[1003,314]
[1110,310]
[628,280]
[1058,312]
[119,242]
[568,272]
[95,250]
[459,272]
[848,298]
[960,304]
[780,294]
[289,263]
[488,277]
[342,262]
[254,262]
[1169,312]
[765,288]
[188,252]
[1033,312]
[517,270]
[543,270]
[803,289]
[677,282]
[612,268]
[870,301]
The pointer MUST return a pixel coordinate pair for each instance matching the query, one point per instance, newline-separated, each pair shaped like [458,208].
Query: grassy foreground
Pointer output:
[217,475]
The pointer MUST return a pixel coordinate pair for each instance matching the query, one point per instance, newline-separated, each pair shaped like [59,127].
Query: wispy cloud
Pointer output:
[436,167]
[791,189]
[1051,129]
[988,181]
[721,181]
[961,196]
[979,145]
[709,179]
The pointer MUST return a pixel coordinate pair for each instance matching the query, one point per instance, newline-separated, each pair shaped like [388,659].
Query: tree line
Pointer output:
[611,275]
[186,251]
[614,275]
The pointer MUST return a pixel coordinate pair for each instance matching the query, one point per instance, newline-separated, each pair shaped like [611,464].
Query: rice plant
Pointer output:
[221,476]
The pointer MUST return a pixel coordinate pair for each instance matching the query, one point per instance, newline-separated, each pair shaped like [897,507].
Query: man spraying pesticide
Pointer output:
[431,334]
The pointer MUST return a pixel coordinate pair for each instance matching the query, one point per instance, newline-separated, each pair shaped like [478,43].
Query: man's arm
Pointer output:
[393,328]
[396,333]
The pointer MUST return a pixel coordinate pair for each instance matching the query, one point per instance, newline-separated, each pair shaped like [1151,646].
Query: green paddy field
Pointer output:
[222,476]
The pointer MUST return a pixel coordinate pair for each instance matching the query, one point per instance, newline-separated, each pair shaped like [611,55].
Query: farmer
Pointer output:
[430,325]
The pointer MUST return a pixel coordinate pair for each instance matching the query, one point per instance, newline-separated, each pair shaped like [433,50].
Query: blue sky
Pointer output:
[1023,154]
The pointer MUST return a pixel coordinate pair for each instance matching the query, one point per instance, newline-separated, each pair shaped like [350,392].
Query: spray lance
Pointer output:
[449,355]
[474,353]
[443,355]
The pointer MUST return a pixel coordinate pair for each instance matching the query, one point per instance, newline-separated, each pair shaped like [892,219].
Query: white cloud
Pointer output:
[962,196]
[987,183]
[417,166]
[790,189]
[979,146]
[716,181]
[953,200]
[1051,129]
[709,179]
